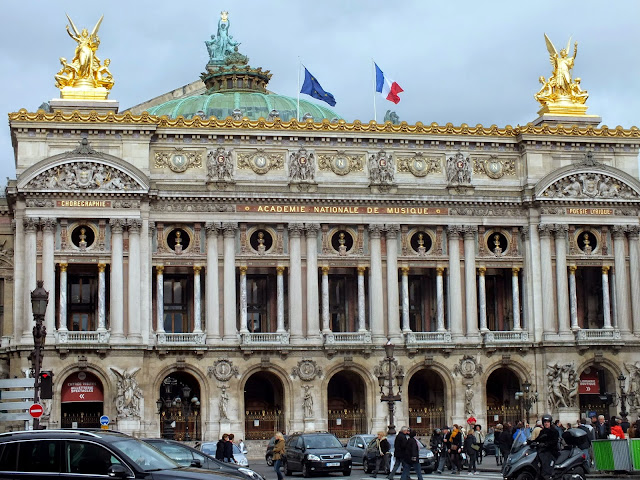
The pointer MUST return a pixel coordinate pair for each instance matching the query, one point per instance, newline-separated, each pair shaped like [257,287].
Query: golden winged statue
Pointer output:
[560,93]
[85,77]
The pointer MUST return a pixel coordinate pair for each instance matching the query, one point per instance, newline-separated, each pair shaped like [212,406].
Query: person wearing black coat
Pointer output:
[602,428]
[399,448]
[220,447]
[228,451]
[382,457]
[547,447]
[412,457]
[506,440]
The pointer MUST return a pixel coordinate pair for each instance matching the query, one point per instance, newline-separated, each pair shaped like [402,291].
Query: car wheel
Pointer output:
[526,476]
[269,459]
[305,471]
[346,473]
[365,465]
[285,467]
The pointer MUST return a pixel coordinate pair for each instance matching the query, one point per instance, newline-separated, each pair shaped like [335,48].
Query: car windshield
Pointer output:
[208,448]
[147,457]
[321,441]
[236,449]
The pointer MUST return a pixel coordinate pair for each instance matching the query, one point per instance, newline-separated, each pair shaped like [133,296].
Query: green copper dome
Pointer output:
[250,104]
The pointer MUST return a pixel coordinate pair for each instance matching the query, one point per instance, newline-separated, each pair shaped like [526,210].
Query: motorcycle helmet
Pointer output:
[437,431]
[547,418]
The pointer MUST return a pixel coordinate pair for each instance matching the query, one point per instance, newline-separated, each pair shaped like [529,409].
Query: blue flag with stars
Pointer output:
[312,87]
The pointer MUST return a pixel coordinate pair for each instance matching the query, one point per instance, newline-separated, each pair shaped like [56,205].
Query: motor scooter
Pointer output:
[571,464]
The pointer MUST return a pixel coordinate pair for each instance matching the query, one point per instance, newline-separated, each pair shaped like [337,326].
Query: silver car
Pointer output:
[357,445]
[210,449]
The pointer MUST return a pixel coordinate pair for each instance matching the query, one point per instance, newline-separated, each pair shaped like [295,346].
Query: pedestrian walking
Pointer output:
[497,435]
[585,444]
[435,443]
[278,450]
[444,449]
[228,450]
[455,451]
[616,429]
[602,429]
[399,448]
[471,449]
[382,454]
[477,432]
[220,447]
[412,457]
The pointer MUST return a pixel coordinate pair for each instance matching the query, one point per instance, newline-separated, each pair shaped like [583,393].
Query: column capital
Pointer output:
[101,267]
[545,230]
[392,230]
[312,229]
[211,229]
[404,271]
[572,269]
[30,224]
[117,225]
[197,269]
[634,232]
[159,269]
[48,224]
[515,271]
[525,231]
[280,269]
[605,269]
[229,229]
[63,266]
[361,270]
[560,230]
[469,231]
[375,230]
[134,225]
[619,231]
[243,269]
[454,231]
[325,270]
[152,228]
[295,229]
[482,271]
[439,271]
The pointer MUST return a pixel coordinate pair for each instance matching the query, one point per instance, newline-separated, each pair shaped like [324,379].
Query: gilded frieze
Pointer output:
[260,161]
[420,165]
[494,167]
[177,160]
[341,163]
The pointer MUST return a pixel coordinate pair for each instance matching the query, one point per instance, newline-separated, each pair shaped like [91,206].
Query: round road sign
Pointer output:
[36,410]
[104,420]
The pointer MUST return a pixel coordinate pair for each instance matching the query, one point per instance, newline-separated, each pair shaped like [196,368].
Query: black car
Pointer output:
[488,446]
[89,455]
[426,457]
[311,453]
[268,456]
[191,457]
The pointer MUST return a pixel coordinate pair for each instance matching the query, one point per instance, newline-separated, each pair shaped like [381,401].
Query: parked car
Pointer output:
[357,445]
[210,449]
[268,456]
[315,452]
[488,446]
[427,459]
[89,455]
[191,457]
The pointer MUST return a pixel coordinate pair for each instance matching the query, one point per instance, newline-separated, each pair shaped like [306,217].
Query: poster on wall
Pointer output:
[81,387]
[589,383]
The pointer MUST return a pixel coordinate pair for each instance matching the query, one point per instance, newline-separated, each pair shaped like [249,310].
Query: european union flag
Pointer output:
[312,87]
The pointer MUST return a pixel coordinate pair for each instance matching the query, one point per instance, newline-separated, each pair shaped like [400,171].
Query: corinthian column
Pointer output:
[440,299]
[622,280]
[197,309]
[482,293]
[313,324]
[562,287]
[546,271]
[393,320]
[606,301]
[159,299]
[471,300]
[134,280]
[243,300]
[325,300]
[212,302]
[361,312]
[515,293]
[62,305]
[376,303]
[405,299]
[116,300]
[49,271]
[29,267]
[229,285]
[573,298]
[280,299]
[102,297]
[634,269]
[295,281]
[455,285]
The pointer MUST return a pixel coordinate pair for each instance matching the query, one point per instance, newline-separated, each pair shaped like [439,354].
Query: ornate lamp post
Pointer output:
[623,396]
[39,300]
[529,399]
[183,406]
[385,372]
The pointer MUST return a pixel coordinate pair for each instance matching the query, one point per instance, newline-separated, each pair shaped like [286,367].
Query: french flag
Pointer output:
[387,87]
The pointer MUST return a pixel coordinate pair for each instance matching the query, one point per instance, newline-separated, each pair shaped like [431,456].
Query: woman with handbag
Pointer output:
[471,448]
[455,450]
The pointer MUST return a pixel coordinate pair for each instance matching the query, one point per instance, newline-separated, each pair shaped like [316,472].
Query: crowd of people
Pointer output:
[224,448]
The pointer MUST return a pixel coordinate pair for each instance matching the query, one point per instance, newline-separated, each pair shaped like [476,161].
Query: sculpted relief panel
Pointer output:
[87,175]
[590,185]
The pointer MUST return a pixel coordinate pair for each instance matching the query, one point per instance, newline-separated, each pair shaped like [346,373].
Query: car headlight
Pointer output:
[244,462]
[313,458]
[347,456]
[429,454]
[250,473]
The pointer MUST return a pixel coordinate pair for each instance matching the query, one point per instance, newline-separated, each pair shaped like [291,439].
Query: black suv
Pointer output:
[315,452]
[90,455]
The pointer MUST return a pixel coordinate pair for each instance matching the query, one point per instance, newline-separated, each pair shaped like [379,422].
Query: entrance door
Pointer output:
[81,401]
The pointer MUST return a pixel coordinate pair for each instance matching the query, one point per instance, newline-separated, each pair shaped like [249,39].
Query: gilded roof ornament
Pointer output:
[85,77]
[222,48]
[560,93]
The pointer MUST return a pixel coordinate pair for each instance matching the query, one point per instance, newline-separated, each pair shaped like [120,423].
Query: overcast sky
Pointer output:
[457,61]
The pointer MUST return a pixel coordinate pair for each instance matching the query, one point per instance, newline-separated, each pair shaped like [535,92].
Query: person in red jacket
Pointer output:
[616,429]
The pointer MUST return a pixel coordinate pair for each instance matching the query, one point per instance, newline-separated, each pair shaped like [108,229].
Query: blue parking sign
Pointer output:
[104,420]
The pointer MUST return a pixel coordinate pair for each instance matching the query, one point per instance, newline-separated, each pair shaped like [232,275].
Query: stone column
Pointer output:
[361,303]
[212,302]
[393,313]
[197,309]
[49,272]
[243,299]
[62,304]
[573,298]
[515,295]
[440,299]
[634,269]
[160,299]
[116,302]
[471,299]
[29,267]
[19,282]
[295,281]
[376,300]
[313,322]
[562,287]
[482,294]
[606,301]
[134,280]
[455,286]
[102,298]
[229,286]
[546,270]
[146,279]
[280,299]
[622,280]
[325,300]
[534,281]
[405,299]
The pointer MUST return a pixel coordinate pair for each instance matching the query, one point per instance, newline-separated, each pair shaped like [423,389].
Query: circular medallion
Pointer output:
[493,168]
[221,159]
[418,166]
[340,165]
[303,160]
[179,162]
[223,370]
[260,163]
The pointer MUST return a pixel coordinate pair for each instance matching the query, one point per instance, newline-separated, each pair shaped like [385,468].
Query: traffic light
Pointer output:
[46,385]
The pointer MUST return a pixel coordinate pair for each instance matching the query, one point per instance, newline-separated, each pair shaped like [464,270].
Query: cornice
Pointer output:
[309,126]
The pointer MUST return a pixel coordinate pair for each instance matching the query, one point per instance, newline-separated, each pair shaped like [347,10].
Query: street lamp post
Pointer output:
[184,406]
[39,300]
[385,373]
[623,396]
[529,399]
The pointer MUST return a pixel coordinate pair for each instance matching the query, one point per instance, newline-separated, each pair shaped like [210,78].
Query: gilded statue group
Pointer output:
[85,69]
[222,44]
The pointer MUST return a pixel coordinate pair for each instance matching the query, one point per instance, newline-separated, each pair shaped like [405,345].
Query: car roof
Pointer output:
[105,435]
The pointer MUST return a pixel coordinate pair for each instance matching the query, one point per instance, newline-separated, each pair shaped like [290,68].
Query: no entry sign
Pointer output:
[36,410]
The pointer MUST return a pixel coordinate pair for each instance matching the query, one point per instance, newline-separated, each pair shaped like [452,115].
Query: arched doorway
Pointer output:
[263,405]
[81,401]
[426,402]
[502,406]
[596,391]
[346,404]
[179,407]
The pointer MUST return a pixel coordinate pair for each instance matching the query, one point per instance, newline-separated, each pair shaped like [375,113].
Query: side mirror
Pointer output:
[118,471]
[196,463]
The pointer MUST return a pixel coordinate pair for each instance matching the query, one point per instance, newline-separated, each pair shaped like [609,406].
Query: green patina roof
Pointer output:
[252,104]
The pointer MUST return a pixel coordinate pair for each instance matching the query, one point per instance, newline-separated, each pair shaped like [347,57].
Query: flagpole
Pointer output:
[298,111]
[375,113]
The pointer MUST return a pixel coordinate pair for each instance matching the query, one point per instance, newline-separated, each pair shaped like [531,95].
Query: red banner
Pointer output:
[589,383]
[82,387]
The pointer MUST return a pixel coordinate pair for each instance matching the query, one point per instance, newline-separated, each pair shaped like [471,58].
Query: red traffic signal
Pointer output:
[46,385]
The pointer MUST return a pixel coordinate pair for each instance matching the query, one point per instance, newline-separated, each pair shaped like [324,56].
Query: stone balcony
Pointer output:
[64,337]
[264,339]
[509,338]
[347,339]
[190,339]
[586,337]
[415,340]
